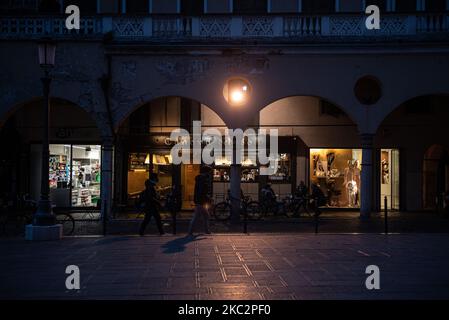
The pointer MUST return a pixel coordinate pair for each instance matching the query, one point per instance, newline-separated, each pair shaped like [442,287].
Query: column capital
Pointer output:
[107,142]
[367,140]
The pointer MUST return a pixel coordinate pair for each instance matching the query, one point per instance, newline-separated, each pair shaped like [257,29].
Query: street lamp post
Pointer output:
[44,215]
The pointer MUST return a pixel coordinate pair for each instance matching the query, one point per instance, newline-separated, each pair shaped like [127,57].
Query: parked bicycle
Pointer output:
[222,210]
[19,215]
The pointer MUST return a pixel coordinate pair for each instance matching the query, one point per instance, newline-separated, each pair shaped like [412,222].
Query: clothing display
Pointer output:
[337,173]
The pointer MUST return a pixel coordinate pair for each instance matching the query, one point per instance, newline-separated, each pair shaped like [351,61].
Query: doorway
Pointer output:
[389,178]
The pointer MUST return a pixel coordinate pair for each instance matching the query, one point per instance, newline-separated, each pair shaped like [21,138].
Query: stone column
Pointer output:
[366,184]
[235,192]
[107,152]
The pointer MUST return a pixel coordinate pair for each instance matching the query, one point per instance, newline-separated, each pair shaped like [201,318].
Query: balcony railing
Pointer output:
[156,28]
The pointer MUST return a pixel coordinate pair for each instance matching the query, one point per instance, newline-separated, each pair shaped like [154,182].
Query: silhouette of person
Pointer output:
[151,205]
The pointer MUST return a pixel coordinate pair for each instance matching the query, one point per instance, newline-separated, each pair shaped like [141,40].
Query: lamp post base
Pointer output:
[44,215]
[43,233]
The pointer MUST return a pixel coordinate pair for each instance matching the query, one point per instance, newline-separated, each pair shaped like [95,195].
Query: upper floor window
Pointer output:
[318,6]
[49,6]
[192,7]
[250,6]
[288,6]
[218,6]
[137,6]
[436,5]
[350,6]
[382,4]
[405,6]
[86,6]
[164,6]
[109,6]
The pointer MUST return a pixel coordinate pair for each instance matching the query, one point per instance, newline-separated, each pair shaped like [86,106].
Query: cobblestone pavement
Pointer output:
[262,266]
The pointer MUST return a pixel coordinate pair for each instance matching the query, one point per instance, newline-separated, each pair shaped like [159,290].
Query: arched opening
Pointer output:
[75,154]
[318,144]
[144,146]
[409,131]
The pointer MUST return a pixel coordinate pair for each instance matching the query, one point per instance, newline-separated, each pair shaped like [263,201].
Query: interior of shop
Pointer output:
[75,175]
[337,172]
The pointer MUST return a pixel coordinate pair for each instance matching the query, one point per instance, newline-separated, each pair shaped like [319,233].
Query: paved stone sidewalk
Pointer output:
[262,266]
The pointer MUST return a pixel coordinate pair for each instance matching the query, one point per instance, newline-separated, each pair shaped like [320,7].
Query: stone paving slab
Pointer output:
[228,267]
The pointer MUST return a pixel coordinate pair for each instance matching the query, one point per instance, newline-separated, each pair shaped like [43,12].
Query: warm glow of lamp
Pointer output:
[237,96]
[147,159]
[237,91]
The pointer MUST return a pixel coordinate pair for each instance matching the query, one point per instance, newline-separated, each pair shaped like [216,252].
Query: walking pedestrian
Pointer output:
[151,205]
[202,199]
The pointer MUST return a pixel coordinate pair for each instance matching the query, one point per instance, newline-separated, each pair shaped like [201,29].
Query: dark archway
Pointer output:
[435,176]
[411,128]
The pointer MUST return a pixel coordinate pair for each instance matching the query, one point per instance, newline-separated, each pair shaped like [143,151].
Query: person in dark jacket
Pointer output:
[202,199]
[151,204]
[318,199]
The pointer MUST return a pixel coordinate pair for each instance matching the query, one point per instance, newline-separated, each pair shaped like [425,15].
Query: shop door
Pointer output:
[188,174]
[395,179]
[389,178]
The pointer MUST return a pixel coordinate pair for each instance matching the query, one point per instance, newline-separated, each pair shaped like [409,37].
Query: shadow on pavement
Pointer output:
[179,245]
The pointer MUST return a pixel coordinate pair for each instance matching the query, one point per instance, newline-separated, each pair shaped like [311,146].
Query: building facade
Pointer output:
[363,113]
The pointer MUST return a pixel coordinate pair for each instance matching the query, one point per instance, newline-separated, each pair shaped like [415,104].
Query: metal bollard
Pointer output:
[174,221]
[386,214]
[105,216]
[245,223]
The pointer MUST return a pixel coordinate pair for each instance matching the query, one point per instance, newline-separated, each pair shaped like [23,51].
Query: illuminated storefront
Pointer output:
[75,175]
[337,172]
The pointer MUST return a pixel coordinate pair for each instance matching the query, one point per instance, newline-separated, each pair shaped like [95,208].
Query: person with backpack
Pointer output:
[202,199]
[150,201]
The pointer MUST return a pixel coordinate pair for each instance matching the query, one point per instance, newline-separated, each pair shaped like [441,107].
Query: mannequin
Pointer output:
[352,178]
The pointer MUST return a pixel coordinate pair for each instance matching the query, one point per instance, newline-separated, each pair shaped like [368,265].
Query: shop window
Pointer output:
[337,172]
[192,7]
[318,6]
[221,172]
[436,5]
[405,6]
[59,174]
[284,168]
[75,170]
[250,6]
[137,6]
[86,174]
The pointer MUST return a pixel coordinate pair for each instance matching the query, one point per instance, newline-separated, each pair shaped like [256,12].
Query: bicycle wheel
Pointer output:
[253,211]
[222,211]
[67,222]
